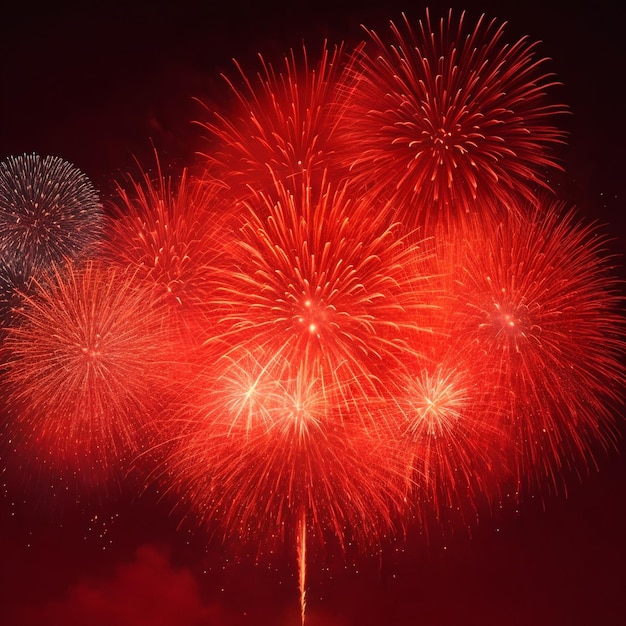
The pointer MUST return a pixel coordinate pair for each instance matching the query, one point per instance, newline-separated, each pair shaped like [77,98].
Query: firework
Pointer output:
[445,120]
[49,211]
[317,280]
[81,369]
[451,440]
[282,127]
[262,451]
[538,307]
[169,234]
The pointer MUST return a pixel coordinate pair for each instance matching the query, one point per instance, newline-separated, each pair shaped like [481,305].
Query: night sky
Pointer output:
[101,88]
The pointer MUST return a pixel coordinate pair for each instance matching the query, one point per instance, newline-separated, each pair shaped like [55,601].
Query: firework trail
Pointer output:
[168,233]
[539,307]
[302,566]
[282,127]
[49,212]
[81,365]
[445,120]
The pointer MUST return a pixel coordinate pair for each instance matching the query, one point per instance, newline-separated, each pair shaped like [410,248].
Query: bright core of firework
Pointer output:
[438,404]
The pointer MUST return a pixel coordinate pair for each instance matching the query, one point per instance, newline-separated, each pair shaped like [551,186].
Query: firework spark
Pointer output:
[14,281]
[451,439]
[81,368]
[347,373]
[49,211]
[445,120]
[262,445]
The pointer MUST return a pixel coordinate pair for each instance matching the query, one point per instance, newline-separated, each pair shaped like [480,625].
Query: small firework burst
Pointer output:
[169,234]
[539,308]
[444,120]
[282,126]
[317,280]
[49,211]
[451,438]
[82,364]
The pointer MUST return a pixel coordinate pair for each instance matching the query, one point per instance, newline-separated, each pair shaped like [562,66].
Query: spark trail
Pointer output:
[301,549]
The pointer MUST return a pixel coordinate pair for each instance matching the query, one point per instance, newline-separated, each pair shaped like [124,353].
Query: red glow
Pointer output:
[282,127]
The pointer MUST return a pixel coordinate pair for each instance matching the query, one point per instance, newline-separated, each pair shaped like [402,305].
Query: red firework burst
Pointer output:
[538,307]
[317,280]
[282,126]
[262,449]
[450,436]
[169,235]
[82,365]
[445,120]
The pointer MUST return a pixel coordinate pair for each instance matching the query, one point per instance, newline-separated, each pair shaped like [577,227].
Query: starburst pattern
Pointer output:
[445,119]
[538,305]
[263,448]
[49,211]
[169,233]
[82,364]
[317,280]
[282,127]
[451,438]
[387,316]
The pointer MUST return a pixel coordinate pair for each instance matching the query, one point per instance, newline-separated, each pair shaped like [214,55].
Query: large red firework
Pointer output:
[82,364]
[444,119]
[281,127]
[537,305]
[319,281]
[168,233]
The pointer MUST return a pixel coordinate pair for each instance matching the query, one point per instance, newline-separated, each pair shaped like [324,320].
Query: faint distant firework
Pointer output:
[537,303]
[281,126]
[82,364]
[445,120]
[49,211]
[169,233]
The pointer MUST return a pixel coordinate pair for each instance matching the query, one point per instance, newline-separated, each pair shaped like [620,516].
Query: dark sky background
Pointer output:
[99,87]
